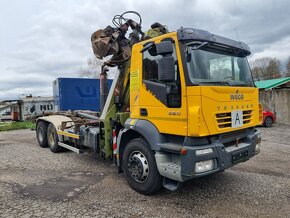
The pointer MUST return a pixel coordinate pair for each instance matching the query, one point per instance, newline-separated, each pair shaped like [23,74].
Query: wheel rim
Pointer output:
[51,137]
[40,134]
[268,122]
[138,166]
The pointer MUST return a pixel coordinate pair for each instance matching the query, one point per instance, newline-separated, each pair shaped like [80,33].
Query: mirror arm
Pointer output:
[147,46]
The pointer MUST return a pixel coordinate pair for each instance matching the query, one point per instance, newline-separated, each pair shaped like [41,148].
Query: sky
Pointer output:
[42,40]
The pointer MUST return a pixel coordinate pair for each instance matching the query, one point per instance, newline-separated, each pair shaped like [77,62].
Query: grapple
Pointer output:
[112,40]
[105,45]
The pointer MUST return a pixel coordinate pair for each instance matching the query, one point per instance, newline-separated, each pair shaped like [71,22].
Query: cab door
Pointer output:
[162,91]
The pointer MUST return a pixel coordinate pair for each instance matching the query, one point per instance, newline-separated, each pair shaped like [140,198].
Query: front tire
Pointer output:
[268,122]
[52,139]
[41,134]
[140,168]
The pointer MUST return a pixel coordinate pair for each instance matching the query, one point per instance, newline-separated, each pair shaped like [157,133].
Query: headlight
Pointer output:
[259,137]
[258,142]
[203,166]
[258,147]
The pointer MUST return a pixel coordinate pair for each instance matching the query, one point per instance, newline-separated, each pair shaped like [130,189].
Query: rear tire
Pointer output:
[140,168]
[41,134]
[268,122]
[52,139]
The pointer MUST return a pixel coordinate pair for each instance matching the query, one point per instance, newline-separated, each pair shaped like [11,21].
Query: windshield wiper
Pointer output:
[217,82]
[241,84]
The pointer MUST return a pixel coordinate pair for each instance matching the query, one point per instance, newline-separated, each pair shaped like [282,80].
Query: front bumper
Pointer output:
[226,152]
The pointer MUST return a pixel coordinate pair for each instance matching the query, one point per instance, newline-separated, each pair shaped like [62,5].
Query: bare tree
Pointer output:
[287,74]
[266,68]
[274,69]
[218,69]
[259,67]
[92,69]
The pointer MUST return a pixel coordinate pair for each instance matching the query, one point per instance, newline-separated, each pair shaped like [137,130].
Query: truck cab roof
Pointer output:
[190,34]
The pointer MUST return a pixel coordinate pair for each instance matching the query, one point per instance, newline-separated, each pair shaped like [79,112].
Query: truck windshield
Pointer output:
[216,68]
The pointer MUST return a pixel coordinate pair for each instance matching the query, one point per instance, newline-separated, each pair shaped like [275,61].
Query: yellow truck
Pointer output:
[182,105]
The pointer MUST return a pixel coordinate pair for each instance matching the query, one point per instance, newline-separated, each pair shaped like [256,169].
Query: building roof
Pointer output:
[271,83]
[36,99]
[6,106]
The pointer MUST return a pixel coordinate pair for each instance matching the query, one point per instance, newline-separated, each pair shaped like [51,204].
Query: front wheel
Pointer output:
[140,168]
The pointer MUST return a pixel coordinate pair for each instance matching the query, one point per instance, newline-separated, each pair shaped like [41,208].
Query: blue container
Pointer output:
[77,94]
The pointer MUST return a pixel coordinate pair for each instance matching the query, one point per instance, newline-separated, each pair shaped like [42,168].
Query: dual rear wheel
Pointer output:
[41,134]
[47,136]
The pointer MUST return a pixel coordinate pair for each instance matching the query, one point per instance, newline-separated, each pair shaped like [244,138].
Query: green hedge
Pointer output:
[17,125]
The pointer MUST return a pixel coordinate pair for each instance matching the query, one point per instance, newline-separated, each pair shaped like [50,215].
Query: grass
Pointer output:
[16,125]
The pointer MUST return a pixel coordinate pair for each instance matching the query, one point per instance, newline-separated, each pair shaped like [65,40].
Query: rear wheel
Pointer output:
[140,167]
[41,134]
[52,139]
[268,122]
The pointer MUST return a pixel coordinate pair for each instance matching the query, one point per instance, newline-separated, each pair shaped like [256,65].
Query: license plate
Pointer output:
[240,156]
[237,118]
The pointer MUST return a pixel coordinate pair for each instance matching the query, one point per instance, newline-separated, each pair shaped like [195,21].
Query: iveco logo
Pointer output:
[237,96]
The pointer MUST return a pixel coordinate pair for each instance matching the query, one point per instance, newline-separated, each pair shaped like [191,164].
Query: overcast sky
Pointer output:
[41,40]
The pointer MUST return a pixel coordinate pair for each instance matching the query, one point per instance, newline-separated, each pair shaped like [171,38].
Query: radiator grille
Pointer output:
[224,120]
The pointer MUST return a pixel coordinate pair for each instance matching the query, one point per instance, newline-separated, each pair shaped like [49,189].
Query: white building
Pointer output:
[27,107]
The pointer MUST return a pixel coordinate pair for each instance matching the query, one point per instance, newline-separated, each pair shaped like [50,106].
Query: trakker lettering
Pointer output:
[232,107]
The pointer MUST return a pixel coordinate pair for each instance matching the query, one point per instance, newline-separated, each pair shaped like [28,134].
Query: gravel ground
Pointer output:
[34,182]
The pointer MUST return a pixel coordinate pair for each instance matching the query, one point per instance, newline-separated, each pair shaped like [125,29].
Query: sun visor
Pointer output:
[188,34]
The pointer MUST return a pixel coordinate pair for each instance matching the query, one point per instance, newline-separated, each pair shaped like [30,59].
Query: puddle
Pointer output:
[62,188]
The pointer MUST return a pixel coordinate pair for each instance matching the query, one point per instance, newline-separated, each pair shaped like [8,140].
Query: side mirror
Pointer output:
[166,69]
[164,48]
